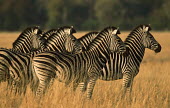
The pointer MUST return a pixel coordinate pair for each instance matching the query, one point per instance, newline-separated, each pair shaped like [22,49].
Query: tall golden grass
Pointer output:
[151,87]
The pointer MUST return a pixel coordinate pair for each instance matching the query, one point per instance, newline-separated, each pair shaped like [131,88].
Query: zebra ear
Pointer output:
[72,30]
[37,27]
[146,28]
[115,31]
[36,31]
[149,29]
[118,31]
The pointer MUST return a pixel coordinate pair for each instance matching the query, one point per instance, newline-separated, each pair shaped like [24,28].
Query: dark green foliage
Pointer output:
[84,14]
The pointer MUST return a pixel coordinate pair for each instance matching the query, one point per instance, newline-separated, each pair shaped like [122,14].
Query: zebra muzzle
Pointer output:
[158,49]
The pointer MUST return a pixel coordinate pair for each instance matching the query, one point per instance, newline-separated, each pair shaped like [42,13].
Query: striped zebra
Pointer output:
[61,40]
[126,68]
[29,40]
[85,66]
[85,40]
[23,44]
[13,68]
[57,42]
[48,33]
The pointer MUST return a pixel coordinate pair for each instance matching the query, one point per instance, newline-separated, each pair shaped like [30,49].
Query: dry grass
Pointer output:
[151,87]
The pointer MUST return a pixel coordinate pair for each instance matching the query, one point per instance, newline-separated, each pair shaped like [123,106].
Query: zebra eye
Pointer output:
[118,40]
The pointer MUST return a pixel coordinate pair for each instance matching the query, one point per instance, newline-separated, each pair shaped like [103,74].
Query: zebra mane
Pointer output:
[87,39]
[135,30]
[48,33]
[89,35]
[141,26]
[25,34]
[100,37]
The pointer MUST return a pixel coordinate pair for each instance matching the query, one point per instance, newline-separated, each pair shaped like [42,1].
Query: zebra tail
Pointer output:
[35,81]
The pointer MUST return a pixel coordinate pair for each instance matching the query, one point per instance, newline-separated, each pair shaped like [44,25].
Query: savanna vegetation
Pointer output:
[151,87]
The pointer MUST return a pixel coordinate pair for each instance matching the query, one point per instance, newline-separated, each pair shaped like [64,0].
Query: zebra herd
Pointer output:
[39,58]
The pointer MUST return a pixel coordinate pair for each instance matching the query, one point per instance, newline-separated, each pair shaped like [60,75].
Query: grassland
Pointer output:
[151,88]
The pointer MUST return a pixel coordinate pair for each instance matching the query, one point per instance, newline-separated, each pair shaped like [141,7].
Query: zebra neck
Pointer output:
[56,42]
[87,39]
[99,48]
[136,49]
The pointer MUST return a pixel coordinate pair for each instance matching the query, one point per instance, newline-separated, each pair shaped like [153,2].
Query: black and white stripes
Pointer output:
[57,54]
[17,69]
[85,66]
[30,39]
[127,67]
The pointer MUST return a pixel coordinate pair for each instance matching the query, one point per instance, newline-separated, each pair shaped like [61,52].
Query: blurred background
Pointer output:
[16,15]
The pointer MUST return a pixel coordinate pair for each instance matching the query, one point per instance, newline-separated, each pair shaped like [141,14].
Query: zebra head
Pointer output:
[37,42]
[149,41]
[72,45]
[116,44]
[27,40]
[37,39]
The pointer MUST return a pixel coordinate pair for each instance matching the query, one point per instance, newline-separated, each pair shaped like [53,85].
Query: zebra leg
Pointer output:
[83,86]
[43,85]
[90,87]
[51,82]
[14,87]
[15,81]
[40,89]
[75,85]
[127,82]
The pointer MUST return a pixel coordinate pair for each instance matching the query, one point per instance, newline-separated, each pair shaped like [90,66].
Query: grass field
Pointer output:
[151,87]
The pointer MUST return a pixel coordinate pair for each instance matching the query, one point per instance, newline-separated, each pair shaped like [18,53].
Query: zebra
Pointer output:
[23,44]
[57,42]
[29,40]
[85,40]
[84,66]
[13,69]
[127,67]
[60,40]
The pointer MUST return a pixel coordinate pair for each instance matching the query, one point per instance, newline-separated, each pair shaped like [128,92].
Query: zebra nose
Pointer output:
[158,49]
